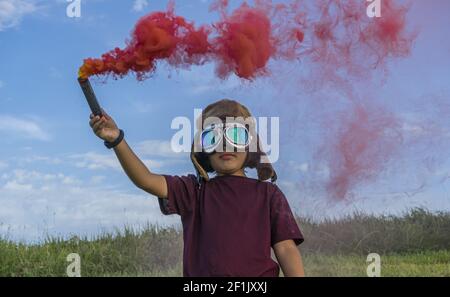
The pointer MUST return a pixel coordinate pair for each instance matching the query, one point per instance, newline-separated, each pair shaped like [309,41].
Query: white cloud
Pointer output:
[143,107]
[12,12]
[96,161]
[27,178]
[302,167]
[154,164]
[36,203]
[97,179]
[92,160]
[14,185]
[23,128]
[38,158]
[158,148]
[139,5]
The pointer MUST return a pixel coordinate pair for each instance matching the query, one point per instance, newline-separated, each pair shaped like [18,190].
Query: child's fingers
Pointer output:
[93,121]
[104,120]
[95,127]
[98,125]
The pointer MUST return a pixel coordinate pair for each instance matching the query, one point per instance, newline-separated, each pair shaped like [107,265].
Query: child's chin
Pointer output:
[227,169]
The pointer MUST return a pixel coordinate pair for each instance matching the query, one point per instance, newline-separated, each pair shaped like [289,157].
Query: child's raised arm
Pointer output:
[105,128]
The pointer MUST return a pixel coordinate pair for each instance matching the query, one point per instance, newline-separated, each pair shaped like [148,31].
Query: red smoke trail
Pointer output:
[358,148]
[341,37]
[346,44]
[160,35]
[242,43]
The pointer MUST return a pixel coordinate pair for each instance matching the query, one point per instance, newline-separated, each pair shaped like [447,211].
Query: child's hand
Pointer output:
[104,127]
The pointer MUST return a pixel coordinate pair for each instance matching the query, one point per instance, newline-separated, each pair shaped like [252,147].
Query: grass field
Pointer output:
[429,263]
[415,244]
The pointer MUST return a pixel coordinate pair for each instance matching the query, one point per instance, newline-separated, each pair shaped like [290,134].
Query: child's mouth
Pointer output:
[227,156]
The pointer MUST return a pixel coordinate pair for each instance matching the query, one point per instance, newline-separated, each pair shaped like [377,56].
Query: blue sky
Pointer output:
[57,178]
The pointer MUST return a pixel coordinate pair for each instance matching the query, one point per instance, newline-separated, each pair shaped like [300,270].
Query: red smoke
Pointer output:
[342,37]
[358,148]
[160,35]
[386,36]
[347,44]
[244,44]
[240,43]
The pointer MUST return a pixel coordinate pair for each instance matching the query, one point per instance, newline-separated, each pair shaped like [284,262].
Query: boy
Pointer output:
[230,221]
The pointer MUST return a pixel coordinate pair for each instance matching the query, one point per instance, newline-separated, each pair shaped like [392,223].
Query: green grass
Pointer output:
[415,231]
[415,244]
[127,252]
[430,263]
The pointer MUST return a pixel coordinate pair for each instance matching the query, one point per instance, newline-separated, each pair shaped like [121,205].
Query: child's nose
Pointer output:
[227,147]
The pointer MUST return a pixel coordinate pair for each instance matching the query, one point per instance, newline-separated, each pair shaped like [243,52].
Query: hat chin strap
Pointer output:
[201,173]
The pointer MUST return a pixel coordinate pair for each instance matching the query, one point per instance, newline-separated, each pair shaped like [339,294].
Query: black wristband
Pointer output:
[116,142]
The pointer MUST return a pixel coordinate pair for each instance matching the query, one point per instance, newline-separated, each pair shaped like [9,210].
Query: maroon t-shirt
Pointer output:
[229,224]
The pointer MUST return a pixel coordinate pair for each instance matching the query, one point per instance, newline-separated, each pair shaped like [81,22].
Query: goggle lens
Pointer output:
[210,138]
[237,135]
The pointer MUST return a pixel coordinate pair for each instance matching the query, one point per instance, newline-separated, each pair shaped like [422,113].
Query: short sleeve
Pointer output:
[282,221]
[181,195]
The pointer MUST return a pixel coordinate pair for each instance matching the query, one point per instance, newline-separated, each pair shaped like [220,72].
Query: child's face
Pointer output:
[227,162]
